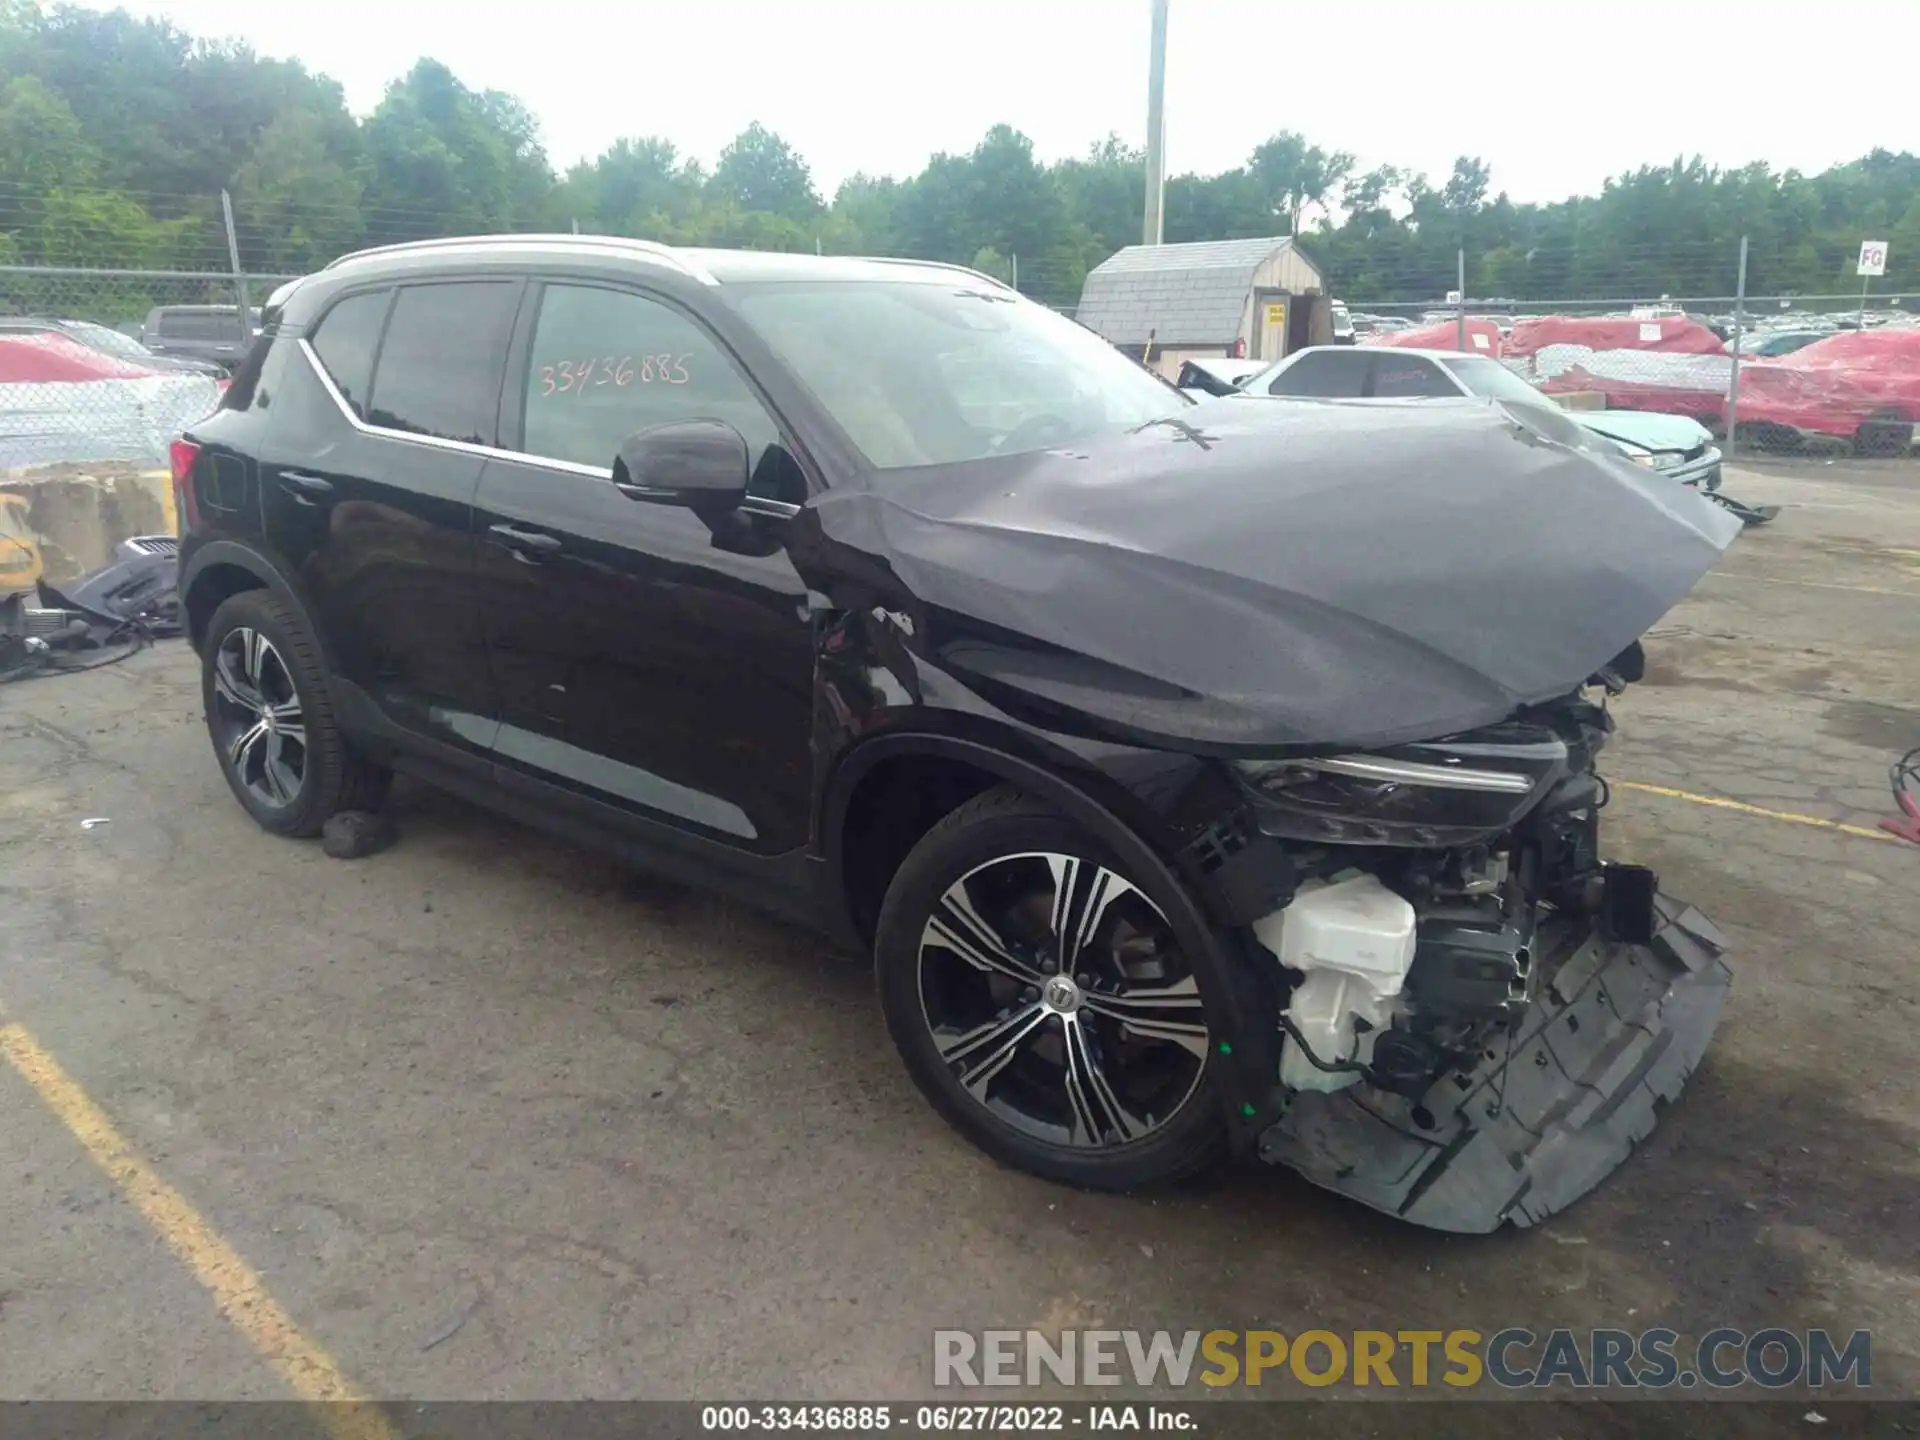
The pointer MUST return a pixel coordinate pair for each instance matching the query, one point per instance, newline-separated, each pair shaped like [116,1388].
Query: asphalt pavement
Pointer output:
[487,1117]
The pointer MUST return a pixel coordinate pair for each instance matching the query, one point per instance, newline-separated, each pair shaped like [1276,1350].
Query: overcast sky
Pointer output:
[1555,97]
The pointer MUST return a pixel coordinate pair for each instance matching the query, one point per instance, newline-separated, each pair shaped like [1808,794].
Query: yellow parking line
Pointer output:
[1745,809]
[244,1303]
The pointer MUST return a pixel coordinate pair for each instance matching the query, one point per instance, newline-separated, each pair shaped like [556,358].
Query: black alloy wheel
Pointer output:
[270,716]
[1042,1002]
[257,720]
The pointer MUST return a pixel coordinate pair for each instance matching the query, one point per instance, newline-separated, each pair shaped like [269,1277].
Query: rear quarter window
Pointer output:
[438,369]
[346,340]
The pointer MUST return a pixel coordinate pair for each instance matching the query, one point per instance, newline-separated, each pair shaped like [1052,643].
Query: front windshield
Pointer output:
[110,342]
[1491,380]
[1494,381]
[941,373]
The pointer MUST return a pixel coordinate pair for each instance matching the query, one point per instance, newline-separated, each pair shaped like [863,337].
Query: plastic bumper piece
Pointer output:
[1610,1040]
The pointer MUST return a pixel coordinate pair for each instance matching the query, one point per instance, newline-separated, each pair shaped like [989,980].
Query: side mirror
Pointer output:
[701,464]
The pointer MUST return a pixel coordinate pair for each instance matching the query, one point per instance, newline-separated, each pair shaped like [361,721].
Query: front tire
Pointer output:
[1041,1003]
[270,717]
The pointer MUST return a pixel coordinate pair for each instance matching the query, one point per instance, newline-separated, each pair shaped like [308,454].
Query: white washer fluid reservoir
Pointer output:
[1352,940]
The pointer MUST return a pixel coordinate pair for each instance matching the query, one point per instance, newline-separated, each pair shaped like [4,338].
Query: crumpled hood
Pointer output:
[1255,577]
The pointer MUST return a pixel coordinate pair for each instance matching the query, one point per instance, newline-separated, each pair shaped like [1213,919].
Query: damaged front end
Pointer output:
[1478,1017]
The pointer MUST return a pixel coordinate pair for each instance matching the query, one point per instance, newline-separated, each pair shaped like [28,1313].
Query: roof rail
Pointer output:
[939,265]
[652,248]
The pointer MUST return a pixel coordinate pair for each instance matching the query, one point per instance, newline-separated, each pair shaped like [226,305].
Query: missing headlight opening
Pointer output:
[1479,1014]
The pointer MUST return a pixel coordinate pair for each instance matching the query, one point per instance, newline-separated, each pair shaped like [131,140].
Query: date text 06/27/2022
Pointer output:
[946,1419]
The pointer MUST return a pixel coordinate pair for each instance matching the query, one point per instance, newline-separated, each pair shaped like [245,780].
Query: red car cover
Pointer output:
[1835,385]
[1483,337]
[51,359]
[1671,365]
[1675,334]
[63,402]
[1694,385]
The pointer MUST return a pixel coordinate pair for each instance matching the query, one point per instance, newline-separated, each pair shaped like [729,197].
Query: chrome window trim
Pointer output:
[756,505]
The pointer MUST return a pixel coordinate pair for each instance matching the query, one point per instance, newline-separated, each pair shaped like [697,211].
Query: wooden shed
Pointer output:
[1168,303]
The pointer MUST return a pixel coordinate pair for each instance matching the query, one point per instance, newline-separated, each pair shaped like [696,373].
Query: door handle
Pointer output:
[303,487]
[527,545]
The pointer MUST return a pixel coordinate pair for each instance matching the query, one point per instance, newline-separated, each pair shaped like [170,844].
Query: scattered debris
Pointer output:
[352,834]
[94,822]
[99,620]
[1814,1417]
[1750,515]
[139,586]
[1905,779]
[454,1325]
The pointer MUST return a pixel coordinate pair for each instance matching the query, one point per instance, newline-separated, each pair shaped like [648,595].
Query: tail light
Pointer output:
[181,455]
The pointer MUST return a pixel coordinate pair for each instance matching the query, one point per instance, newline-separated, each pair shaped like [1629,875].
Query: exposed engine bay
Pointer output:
[1479,1016]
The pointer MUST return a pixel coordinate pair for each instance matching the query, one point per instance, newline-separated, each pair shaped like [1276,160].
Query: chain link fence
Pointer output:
[106,366]
[104,362]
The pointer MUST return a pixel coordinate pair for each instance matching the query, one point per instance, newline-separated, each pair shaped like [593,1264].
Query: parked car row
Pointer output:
[1860,386]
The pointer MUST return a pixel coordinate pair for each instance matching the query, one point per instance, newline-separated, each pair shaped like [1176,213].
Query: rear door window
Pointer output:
[1401,377]
[438,371]
[346,341]
[1325,374]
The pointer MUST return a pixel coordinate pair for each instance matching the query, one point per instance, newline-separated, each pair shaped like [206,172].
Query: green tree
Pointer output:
[117,135]
[865,216]
[1106,191]
[1296,176]
[297,204]
[108,230]
[447,160]
[635,187]
[41,146]
[760,171]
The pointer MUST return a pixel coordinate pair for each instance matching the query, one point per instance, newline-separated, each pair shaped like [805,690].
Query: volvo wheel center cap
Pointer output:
[1062,995]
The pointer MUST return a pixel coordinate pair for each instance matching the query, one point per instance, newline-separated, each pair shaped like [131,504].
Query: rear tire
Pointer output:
[1887,433]
[1087,1062]
[271,720]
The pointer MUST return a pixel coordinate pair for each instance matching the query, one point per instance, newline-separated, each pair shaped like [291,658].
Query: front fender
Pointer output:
[1241,1000]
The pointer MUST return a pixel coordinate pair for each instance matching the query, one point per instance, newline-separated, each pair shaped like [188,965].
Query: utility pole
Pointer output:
[1461,294]
[239,275]
[1739,332]
[1151,230]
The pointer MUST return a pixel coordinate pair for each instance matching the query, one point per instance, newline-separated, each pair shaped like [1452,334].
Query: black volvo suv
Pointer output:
[1200,778]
